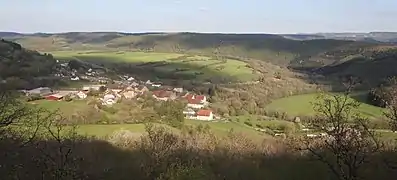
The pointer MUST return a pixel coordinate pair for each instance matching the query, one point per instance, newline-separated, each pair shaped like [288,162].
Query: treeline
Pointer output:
[21,68]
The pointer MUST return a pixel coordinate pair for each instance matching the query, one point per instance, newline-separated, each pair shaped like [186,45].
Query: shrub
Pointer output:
[259,126]
[34,98]
[248,123]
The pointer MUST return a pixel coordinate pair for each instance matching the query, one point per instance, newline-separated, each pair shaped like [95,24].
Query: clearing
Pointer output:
[302,105]
[199,67]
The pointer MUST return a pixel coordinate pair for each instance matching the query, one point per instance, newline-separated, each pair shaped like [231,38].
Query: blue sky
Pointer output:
[241,16]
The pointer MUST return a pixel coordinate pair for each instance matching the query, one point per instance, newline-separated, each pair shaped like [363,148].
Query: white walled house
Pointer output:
[195,105]
[81,95]
[205,115]
[178,90]
[129,94]
[196,102]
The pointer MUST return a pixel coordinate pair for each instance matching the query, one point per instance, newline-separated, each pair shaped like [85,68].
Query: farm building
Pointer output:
[204,115]
[42,91]
[54,97]
[59,95]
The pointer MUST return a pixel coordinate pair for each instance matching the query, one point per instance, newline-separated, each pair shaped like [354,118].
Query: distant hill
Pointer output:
[308,50]
[372,68]
[384,37]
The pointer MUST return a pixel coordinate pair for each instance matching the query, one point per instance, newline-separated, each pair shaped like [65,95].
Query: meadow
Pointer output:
[67,109]
[303,105]
[200,67]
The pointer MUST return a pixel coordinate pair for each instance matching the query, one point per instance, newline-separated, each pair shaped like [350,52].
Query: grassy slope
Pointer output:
[302,105]
[382,65]
[68,108]
[191,64]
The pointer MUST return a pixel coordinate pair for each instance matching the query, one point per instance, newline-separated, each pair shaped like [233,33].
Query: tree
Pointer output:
[171,112]
[390,102]
[348,142]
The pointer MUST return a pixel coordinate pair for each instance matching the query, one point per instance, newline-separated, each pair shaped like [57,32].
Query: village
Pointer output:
[129,88]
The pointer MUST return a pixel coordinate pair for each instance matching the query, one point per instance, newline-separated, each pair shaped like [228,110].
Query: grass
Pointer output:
[68,108]
[202,67]
[302,105]
[222,128]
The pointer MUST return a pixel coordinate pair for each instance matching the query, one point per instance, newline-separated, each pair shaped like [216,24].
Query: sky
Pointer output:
[226,16]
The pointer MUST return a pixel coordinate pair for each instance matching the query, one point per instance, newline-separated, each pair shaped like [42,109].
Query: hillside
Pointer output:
[371,68]
[267,47]
[22,68]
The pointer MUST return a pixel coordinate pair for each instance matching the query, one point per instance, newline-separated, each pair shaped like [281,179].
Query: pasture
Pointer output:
[101,130]
[179,65]
[303,105]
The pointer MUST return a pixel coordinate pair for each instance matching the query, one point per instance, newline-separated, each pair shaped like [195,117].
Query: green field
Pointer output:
[101,130]
[302,105]
[202,67]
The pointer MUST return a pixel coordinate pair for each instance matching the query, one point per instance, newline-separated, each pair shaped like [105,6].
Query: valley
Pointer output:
[217,91]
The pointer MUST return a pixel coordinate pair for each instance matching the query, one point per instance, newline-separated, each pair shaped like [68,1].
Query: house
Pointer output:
[178,90]
[109,96]
[202,98]
[76,78]
[148,82]
[42,91]
[204,115]
[156,85]
[108,102]
[81,95]
[130,79]
[141,89]
[108,99]
[189,113]
[114,91]
[164,95]
[129,94]
[65,64]
[92,87]
[134,84]
[194,103]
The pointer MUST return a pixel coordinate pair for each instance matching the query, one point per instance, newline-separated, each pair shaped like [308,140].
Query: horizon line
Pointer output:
[197,32]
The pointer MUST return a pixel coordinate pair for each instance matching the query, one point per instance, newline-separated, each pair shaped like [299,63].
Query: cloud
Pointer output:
[178,1]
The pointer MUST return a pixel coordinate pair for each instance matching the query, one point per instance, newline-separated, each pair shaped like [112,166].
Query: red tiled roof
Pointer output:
[162,94]
[194,101]
[203,112]
[199,97]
